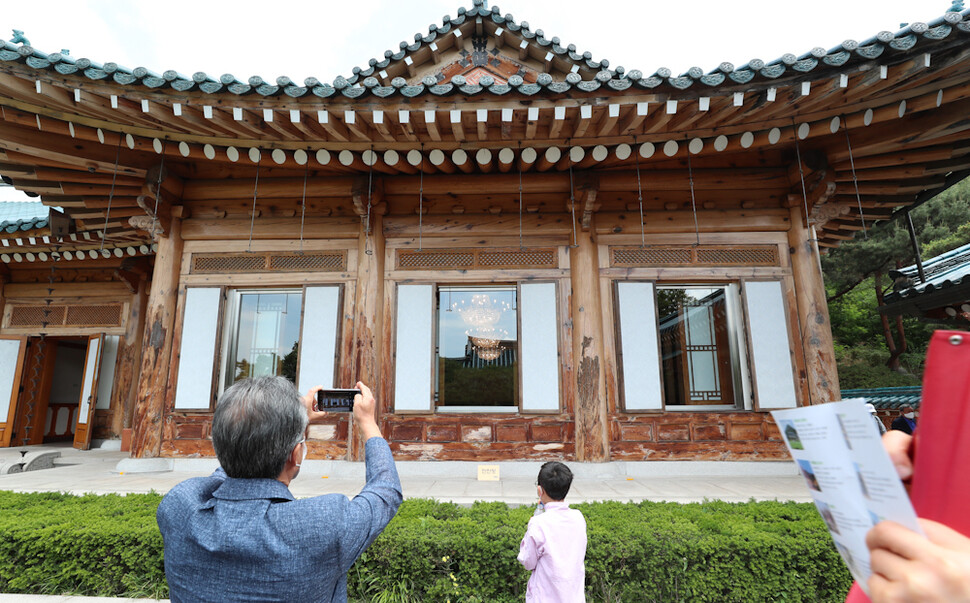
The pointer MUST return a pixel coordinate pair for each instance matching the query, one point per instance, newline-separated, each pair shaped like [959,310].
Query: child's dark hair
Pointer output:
[555,478]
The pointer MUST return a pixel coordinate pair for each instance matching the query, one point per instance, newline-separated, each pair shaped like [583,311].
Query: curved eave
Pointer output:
[369,85]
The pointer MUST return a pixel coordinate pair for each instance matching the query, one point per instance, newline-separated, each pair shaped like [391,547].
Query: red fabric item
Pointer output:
[941,444]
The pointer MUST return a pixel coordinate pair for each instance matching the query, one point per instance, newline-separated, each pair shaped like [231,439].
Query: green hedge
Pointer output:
[715,551]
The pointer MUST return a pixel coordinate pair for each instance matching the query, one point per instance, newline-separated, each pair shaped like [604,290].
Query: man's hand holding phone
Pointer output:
[363,404]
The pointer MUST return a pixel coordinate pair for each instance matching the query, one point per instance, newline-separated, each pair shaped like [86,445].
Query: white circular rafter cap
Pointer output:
[804,130]
[391,157]
[577,154]
[720,143]
[600,152]
[696,146]
[459,157]
[300,157]
[209,151]
[553,154]
[130,141]
[774,135]
[184,149]
[867,117]
[369,157]
[345,157]
[483,156]
[623,151]
[506,156]
[255,155]
[323,156]
[671,147]
[647,150]
[415,158]
[835,124]
[279,156]
[436,157]
[529,155]
[233,154]
[747,139]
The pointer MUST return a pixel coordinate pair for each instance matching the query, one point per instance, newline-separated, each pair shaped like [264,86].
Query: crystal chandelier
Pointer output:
[481,315]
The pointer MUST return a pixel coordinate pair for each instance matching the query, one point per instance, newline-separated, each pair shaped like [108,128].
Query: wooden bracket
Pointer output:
[358,193]
[588,185]
[130,279]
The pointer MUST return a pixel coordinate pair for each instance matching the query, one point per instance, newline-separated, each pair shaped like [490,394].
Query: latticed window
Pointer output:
[698,345]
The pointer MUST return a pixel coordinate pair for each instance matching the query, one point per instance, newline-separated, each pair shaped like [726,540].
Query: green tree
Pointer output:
[855,275]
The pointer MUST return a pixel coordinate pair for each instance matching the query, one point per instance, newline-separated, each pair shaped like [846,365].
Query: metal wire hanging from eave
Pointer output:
[421,201]
[370,182]
[306,175]
[520,196]
[572,206]
[252,220]
[158,192]
[636,159]
[111,194]
[693,201]
[801,176]
[855,181]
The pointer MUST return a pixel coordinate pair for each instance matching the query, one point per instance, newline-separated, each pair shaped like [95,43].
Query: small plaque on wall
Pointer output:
[488,473]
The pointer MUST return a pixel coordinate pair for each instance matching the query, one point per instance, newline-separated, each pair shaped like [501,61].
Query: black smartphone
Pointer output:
[336,400]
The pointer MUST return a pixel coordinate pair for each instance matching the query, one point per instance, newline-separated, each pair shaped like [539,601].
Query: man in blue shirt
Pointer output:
[239,535]
[906,421]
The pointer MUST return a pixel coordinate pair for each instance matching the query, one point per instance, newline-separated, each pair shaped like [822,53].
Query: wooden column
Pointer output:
[592,443]
[368,318]
[813,313]
[159,321]
[129,361]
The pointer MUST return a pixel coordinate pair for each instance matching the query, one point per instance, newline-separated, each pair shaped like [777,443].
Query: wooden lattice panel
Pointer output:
[690,255]
[330,261]
[108,315]
[476,259]
[67,315]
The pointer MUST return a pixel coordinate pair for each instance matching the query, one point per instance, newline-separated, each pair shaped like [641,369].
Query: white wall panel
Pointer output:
[639,346]
[413,349]
[318,339]
[109,355]
[193,389]
[774,376]
[540,347]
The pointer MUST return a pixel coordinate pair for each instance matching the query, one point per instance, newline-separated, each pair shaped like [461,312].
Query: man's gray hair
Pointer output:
[256,425]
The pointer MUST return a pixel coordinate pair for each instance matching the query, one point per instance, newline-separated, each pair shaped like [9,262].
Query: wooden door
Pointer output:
[12,352]
[89,393]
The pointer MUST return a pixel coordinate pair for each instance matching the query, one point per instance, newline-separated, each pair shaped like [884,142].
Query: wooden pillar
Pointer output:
[129,361]
[368,318]
[813,313]
[159,322]
[592,443]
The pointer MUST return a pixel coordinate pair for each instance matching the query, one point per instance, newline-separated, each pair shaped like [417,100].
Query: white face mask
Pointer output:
[910,415]
[305,450]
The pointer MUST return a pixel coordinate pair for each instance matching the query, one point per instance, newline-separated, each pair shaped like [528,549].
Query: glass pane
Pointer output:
[477,362]
[697,347]
[266,341]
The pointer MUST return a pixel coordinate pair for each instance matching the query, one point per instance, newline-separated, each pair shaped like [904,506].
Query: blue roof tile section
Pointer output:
[16,216]
[362,84]
[887,398]
[944,271]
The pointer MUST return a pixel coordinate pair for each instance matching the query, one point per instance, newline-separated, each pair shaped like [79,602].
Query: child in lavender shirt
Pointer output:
[554,547]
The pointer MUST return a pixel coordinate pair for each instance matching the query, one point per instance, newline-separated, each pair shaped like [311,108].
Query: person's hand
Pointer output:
[309,401]
[909,567]
[898,444]
[365,412]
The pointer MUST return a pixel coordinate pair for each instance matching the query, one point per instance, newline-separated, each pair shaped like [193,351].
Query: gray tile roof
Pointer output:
[16,216]
[816,63]
[942,272]
[887,398]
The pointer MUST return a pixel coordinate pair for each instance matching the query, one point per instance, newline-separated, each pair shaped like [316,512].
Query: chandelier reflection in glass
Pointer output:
[481,314]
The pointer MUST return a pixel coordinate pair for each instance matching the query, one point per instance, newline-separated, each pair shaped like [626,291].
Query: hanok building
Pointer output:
[528,253]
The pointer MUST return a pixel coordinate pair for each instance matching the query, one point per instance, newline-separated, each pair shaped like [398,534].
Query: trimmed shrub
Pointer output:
[713,551]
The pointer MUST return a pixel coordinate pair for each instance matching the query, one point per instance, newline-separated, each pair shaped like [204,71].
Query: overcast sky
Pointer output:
[327,38]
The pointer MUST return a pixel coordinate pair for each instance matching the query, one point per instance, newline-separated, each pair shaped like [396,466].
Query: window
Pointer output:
[477,351]
[699,346]
[263,334]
